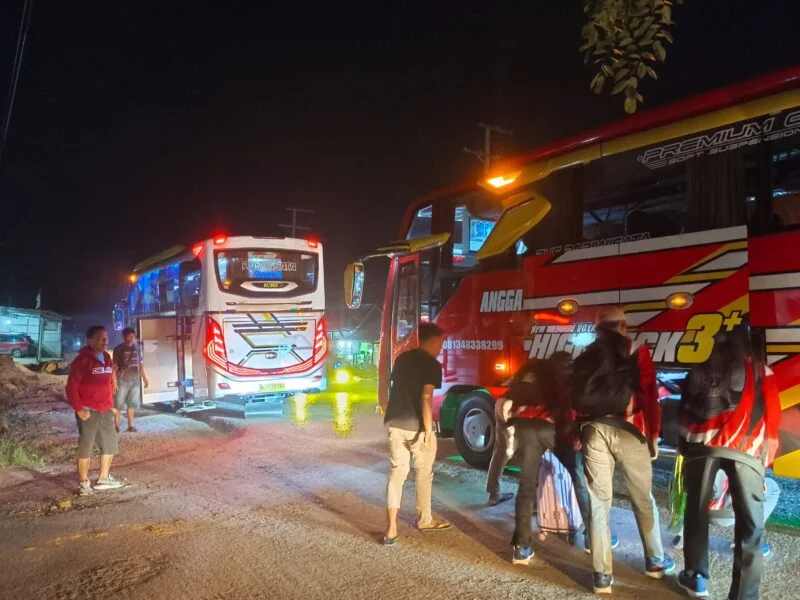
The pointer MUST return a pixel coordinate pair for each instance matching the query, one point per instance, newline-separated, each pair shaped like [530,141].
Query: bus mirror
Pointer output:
[353,284]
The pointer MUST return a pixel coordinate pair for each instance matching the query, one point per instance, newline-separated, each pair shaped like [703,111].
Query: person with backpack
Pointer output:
[730,412]
[537,399]
[615,397]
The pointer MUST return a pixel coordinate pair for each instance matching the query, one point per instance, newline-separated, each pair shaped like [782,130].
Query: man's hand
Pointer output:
[427,438]
[114,410]
[146,382]
[653,447]
[83,414]
[114,386]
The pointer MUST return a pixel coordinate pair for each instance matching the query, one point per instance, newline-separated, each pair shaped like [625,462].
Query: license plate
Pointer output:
[272,387]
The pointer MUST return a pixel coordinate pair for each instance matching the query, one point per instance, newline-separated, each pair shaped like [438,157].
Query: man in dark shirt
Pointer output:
[409,422]
[128,370]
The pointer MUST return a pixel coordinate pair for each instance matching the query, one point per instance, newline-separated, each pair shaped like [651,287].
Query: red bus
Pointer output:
[687,215]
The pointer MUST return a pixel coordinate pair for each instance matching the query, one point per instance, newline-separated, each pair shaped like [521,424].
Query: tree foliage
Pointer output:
[626,39]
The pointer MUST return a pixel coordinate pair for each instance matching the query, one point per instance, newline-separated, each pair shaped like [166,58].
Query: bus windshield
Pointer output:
[256,272]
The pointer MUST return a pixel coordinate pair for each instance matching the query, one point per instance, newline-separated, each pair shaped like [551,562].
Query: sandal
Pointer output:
[387,541]
[500,499]
[437,526]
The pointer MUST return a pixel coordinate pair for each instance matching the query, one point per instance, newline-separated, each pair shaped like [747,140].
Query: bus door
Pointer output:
[159,355]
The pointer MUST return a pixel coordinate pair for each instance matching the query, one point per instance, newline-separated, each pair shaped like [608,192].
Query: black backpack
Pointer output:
[605,376]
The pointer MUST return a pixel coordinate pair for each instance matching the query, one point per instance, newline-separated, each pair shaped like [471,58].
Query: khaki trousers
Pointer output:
[405,445]
[604,447]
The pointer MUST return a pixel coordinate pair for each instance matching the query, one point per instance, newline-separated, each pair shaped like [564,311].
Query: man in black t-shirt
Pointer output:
[409,422]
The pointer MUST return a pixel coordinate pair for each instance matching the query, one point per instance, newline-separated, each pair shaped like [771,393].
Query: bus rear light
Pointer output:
[215,344]
[220,239]
[197,250]
[312,243]
[320,341]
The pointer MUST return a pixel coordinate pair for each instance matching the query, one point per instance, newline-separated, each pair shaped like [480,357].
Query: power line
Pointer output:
[486,157]
[24,24]
[294,227]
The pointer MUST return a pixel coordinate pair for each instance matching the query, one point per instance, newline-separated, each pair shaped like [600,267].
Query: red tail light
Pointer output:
[220,239]
[215,344]
[197,250]
[312,243]
[320,342]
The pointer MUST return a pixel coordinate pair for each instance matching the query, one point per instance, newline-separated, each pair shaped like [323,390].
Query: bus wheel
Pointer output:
[474,430]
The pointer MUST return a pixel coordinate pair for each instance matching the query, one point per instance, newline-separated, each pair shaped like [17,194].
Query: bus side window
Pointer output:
[407,302]
[190,284]
[779,200]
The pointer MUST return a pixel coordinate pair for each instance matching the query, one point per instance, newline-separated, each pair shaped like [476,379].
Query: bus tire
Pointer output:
[474,430]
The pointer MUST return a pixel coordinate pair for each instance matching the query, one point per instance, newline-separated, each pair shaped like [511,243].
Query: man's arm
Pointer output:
[427,411]
[76,373]
[142,372]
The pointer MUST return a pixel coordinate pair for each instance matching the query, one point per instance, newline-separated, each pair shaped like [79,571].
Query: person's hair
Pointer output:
[128,331]
[429,331]
[93,331]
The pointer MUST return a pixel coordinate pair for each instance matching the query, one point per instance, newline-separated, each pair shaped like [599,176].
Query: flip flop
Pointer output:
[500,499]
[437,526]
[387,541]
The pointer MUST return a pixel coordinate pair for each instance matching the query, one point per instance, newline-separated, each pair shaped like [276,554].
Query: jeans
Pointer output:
[606,446]
[534,438]
[505,445]
[746,486]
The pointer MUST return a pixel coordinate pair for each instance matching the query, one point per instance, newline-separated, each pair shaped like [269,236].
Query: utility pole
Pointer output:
[294,227]
[486,157]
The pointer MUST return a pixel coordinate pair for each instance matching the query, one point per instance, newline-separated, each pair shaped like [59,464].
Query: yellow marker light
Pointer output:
[341,377]
[503,180]
[679,300]
[133,278]
[568,307]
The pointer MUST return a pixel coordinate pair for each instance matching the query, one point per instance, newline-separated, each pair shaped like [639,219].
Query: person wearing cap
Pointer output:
[626,436]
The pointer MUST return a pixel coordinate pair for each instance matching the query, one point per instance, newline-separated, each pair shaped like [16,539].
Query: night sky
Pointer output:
[140,125]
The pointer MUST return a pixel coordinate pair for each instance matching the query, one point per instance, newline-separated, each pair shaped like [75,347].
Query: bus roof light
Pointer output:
[503,180]
[312,243]
[197,250]
[220,239]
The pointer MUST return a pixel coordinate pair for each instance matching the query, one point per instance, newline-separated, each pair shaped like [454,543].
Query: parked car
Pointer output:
[15,344]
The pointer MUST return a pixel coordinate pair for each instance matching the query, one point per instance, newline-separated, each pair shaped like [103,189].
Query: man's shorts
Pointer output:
[129,394]
[99,429]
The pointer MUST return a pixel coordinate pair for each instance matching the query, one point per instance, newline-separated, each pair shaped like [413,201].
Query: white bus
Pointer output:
[230,322]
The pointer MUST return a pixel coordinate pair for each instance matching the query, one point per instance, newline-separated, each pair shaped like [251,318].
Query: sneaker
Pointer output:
[694,584]
[85,488]
[522,555]
[109,483]
[677,542]
[657,568]
[603,583]
[588,548]
[766,550]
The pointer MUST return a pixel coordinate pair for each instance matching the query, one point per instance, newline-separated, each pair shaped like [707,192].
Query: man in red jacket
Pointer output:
[90,391]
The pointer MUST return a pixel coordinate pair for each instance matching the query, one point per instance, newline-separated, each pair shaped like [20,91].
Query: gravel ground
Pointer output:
[271,509]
